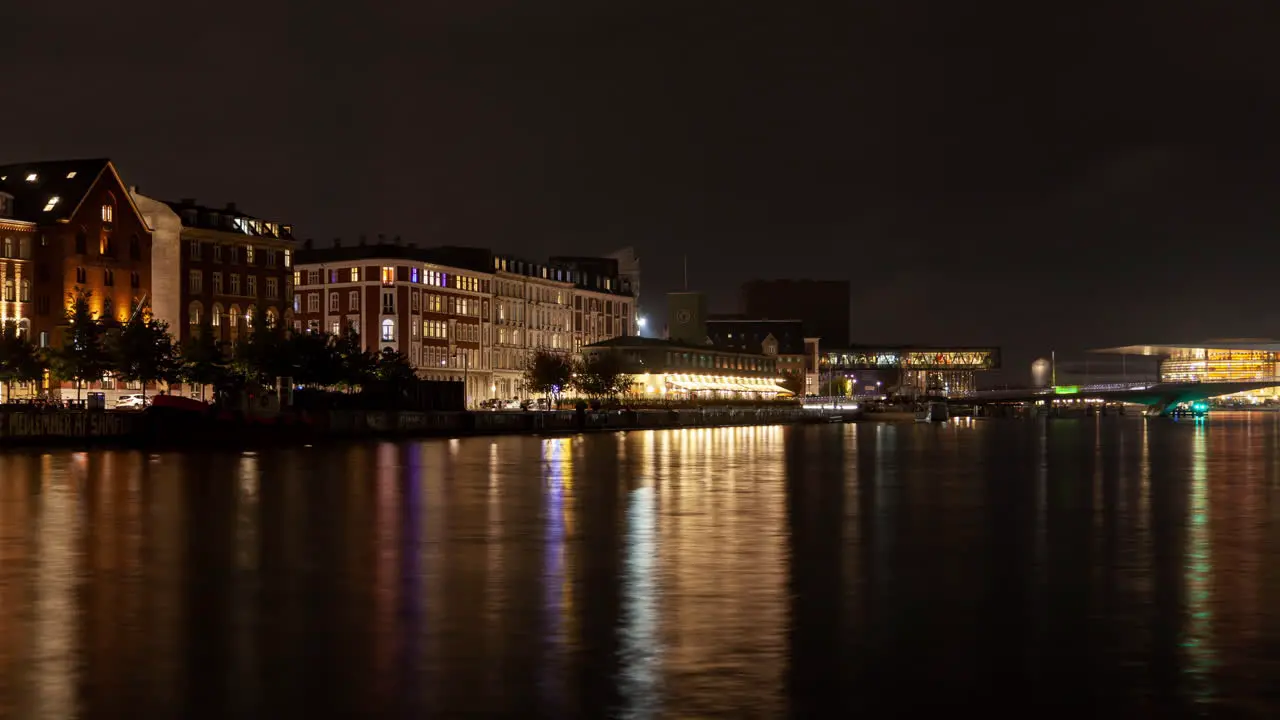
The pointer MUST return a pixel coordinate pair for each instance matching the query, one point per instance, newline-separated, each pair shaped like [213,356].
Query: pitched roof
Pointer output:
[34,184]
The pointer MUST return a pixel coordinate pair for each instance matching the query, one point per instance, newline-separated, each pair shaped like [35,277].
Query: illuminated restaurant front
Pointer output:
[665,369]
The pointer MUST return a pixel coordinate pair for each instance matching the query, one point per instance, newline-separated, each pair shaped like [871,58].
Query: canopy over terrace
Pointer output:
[726,384]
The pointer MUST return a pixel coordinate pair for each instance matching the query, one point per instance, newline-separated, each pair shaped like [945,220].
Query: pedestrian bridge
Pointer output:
[1159,397]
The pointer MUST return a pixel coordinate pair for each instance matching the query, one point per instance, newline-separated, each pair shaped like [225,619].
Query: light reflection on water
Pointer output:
[753,572]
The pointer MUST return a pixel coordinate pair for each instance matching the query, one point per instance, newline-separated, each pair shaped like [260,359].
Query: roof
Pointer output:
[67,180]
[449,257]
[637,341]
[1255,344]
[750,334]
[228,219]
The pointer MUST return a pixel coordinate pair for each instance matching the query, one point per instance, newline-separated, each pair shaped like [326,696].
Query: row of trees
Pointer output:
[142,350]
[600,376]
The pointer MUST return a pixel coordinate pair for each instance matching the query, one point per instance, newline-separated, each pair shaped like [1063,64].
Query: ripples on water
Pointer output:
[1075,565]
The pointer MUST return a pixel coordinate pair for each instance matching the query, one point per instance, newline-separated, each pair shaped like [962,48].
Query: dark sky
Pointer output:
[984,172]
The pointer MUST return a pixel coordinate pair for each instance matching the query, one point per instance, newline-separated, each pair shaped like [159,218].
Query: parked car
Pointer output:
[131,402]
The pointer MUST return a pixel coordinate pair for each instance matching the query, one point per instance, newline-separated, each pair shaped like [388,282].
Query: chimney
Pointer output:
[337,242]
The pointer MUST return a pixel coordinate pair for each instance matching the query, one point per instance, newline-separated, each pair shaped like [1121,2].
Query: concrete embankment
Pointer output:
[158,426]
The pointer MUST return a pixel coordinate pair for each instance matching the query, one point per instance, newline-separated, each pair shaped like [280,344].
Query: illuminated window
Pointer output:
[233,317]
[71,174]
[53,200]
[250,314]
[388,330]
[8,247]
[8,291]
[413,275]
[297,303]
[355,274]
[216,316]
[32,177]
[248,254]
[288,258]
[193,313]
[25,295]
[108,213]
[388,276]
[271,317]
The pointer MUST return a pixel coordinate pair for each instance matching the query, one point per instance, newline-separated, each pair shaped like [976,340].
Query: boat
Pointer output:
[933,411]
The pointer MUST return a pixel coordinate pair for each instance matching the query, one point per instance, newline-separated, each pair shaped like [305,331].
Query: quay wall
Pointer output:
[178,428]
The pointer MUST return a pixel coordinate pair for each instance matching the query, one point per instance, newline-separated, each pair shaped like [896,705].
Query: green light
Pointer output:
[1066,389]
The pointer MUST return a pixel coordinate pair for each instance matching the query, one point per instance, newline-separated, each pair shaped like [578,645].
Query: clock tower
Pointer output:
[687,317]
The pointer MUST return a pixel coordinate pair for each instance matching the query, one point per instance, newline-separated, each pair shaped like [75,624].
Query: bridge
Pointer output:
[1159,397]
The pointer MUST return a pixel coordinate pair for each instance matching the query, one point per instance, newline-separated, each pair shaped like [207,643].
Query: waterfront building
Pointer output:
[1224,360]
[405,299]
[783,339]
[218,266]
[674,370]
[81,231]
[821,305]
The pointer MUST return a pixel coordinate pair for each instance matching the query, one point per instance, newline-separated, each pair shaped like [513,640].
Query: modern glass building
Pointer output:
[917,370]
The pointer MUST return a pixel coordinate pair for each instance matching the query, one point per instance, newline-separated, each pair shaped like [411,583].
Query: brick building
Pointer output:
[88,235]
[404,298]
[220,266]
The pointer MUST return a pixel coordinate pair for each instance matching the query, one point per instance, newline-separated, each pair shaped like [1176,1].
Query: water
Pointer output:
[1109,566]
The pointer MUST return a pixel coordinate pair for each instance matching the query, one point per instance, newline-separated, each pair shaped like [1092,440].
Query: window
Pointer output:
[108,309]
[435,303]
[297,303]
[135,280]
[195,282]
[233,317]
[81,275]
[333,302]
[297,278]
[108,278]
[415,301]
[25,295]
[355,274]
[313,277]
[273,288]
[217,283]
[82,243]
[108,213]
[271,317]
[235,254]
[135,248]
[251,285]
[334,327]
[270,256]
[8,290]
[388,303]
[435,328]
[353,300]
[105,247]
[24,248]
[333,276]
[235,284]
[413,275]
[250,314]
[313,302]
[215,318]
[217,253]
[8,247]
[388,330]
[413,331]
[193,313]
[288,258]
[195,250]
[53,200]
[388,276]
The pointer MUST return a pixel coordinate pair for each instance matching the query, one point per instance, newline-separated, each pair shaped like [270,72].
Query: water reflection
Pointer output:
[726,572]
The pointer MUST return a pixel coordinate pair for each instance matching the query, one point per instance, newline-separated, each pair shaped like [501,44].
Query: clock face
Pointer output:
[682,316]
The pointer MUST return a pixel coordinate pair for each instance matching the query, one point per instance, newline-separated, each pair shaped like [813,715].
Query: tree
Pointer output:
[204,358]
[83,355]
[601,375]
[394,368]
[142,351]
[264,356]
[355,365]
[20,360]
[548,373]
[794,383]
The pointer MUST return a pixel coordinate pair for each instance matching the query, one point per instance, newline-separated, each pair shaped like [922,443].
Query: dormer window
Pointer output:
[53,200]
[108,213]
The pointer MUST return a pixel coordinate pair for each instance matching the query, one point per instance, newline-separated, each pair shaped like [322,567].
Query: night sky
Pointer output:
[996,174]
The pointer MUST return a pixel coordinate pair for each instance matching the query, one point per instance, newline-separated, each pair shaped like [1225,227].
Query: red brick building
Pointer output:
[86,234]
